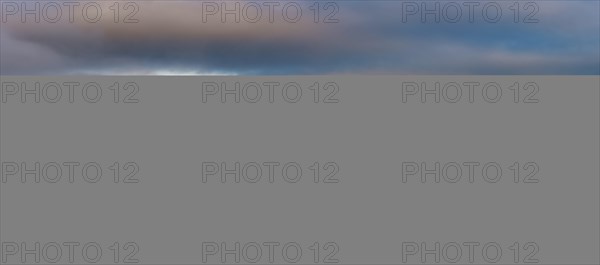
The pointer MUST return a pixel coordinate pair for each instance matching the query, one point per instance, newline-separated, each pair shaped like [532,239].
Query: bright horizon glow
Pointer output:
[191,73]
[159,72]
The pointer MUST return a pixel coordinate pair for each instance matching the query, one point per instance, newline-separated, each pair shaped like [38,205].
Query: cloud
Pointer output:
[174,37]
[19,56]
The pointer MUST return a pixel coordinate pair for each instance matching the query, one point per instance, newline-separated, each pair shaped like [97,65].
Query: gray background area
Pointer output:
[369,133]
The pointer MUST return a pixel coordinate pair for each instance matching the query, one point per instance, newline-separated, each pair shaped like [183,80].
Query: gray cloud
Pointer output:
[370,38]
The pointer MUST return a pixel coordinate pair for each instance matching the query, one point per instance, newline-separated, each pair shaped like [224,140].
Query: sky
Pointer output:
[175,37]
